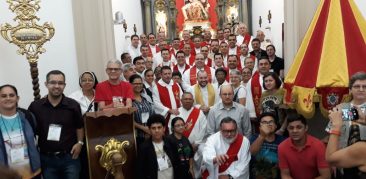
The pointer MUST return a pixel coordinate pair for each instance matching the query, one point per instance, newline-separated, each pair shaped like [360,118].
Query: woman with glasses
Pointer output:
[85,95]
[144,109]
[18,150]
[239,90]
[272,99]
[182,150]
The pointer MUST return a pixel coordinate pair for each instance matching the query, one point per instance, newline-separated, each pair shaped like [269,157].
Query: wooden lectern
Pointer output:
[100,127]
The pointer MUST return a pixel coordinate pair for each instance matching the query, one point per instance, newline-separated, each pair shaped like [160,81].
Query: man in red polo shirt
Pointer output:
[301,156]
[114,92]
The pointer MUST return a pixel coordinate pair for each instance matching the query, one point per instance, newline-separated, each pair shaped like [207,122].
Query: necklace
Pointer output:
[8,123]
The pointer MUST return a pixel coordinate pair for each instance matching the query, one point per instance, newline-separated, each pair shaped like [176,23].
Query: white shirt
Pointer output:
[181,69]
[159,107]
[240,39]
[187,76]
[153,50]
[82,100]
[249,104]
[204,93]
[232,51]
[134,52]
[198,130]
[215,145]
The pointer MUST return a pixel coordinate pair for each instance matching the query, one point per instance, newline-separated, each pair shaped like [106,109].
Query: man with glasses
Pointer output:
[113,92]
[60,130]
[226,153]
[227,108]
[352,131]
[264,147]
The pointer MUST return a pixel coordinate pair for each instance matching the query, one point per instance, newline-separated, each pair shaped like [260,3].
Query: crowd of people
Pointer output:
[206,108]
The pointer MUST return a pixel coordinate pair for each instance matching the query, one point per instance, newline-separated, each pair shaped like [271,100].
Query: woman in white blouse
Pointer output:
[85,96]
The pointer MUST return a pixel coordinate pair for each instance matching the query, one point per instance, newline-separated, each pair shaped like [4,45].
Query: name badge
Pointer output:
[144,117]
[54,132]
[163,163]
[17,155]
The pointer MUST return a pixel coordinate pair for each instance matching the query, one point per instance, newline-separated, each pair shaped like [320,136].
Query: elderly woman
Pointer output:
[144,109]
[18,150]
[348,157]
[85,95]
[239,90]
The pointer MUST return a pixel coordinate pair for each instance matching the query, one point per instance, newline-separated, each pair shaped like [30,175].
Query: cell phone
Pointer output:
[354,113]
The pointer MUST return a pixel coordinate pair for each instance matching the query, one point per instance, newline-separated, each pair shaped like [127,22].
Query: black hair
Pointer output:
[123,56]
[275,77]
[10,86]
[133,77]
[165,68]
[55,72]
[218,54]
[164,49]
[256,39]
[177,73]
[147,70]
[137,58]
[221,70]
[270,45]
[265,114]
[134,35]
[174,120]
[179,51]
[154,119]
[293,116]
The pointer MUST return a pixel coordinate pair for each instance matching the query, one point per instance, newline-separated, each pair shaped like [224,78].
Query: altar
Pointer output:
[174,16]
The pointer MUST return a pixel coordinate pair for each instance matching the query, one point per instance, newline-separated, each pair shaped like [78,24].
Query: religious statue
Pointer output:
[196,10]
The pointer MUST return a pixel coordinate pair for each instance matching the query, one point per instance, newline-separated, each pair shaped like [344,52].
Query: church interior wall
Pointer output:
[261,8]
[60,51]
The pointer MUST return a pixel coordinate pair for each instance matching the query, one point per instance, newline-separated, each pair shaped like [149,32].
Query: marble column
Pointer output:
[148,26]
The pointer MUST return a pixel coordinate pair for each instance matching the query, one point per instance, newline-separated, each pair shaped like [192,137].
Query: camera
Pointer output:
[354,114]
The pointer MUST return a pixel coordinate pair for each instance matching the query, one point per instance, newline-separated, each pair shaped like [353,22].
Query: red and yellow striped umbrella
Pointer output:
[332,50]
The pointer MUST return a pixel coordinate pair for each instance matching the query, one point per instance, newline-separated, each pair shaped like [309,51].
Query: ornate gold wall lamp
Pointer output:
[113,157]
[28,35]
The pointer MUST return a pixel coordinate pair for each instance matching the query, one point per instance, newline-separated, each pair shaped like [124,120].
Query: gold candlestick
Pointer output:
[28,35]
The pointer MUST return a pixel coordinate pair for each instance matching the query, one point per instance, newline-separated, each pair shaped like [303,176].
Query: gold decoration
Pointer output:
[28,35]
[110,148]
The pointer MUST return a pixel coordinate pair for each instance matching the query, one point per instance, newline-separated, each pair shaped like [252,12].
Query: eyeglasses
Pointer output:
[60,83]
[113,69]
[228,132]
[87,81]
[358,87]
[9,95]
[227,94]
[267,122]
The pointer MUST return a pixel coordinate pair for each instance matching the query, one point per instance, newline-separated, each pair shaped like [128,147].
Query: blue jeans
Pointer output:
[61,166]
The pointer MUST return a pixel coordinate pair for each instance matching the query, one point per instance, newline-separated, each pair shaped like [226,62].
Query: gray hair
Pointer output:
[236,72]
[126,67]
[115,61]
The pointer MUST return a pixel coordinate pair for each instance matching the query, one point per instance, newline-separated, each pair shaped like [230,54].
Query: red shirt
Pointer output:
[303,164]
[105,91]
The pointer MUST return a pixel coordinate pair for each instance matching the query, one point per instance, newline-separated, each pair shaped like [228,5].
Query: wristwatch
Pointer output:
[81,143]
